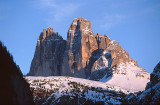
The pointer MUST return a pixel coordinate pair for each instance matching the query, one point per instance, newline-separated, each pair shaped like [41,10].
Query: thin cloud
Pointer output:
[48,3]
[41,4]
[111,20]
[56,11]
[65,11]
[124,3]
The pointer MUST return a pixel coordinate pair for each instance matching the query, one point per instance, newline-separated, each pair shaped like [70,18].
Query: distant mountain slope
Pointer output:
[14,89]
[86,55]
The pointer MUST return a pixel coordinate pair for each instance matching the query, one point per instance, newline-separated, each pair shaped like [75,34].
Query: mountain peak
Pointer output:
[80,26]
[49,34]
[80,19]
[50,31]
[84,55]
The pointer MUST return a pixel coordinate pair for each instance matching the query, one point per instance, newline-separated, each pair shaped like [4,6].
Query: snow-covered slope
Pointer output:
[62,82]
[54,88]
[151,94]
[128,76]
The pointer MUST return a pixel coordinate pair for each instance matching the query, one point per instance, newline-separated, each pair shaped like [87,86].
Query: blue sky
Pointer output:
[135,24]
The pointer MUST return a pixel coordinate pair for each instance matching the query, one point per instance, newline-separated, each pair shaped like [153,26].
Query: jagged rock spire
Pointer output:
[81,42]
[48,55]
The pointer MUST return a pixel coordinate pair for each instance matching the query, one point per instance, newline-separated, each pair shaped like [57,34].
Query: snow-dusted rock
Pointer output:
[130,98]
[155,75]
[152,93]
[71,90]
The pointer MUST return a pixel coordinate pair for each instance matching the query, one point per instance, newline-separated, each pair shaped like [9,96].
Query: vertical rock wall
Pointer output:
[81,42]
[48,55]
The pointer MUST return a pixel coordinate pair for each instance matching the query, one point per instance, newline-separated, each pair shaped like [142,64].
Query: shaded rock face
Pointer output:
[48,55]
[102,62]
[81,42]
[130,98]
[152,93]
[14,89]
[154,77]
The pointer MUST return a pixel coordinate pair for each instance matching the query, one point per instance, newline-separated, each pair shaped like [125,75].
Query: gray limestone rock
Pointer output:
[48,55]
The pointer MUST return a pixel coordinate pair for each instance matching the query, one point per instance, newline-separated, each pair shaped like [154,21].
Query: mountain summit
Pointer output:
[81,42]
[86,55]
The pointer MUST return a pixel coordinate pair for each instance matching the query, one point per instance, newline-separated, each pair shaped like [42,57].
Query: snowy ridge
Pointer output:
[63,81]
[62,86]
[128,76]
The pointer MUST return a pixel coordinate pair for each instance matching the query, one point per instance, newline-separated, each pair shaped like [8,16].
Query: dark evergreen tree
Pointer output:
[10,75]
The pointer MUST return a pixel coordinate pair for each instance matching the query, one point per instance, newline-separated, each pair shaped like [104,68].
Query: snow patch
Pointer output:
[129,76]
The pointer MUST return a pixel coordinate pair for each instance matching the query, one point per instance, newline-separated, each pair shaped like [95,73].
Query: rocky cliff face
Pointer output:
[152,93]
[85,55]
[48,55]
[81,42]
[14,90]
[155,76]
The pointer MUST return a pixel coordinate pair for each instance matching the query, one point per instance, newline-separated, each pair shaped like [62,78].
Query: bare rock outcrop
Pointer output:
[118,54]
[102,41]
[48,55]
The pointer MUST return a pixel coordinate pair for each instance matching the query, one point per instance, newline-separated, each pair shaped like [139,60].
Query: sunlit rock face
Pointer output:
[48,55]
[102,41]
[81,42]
